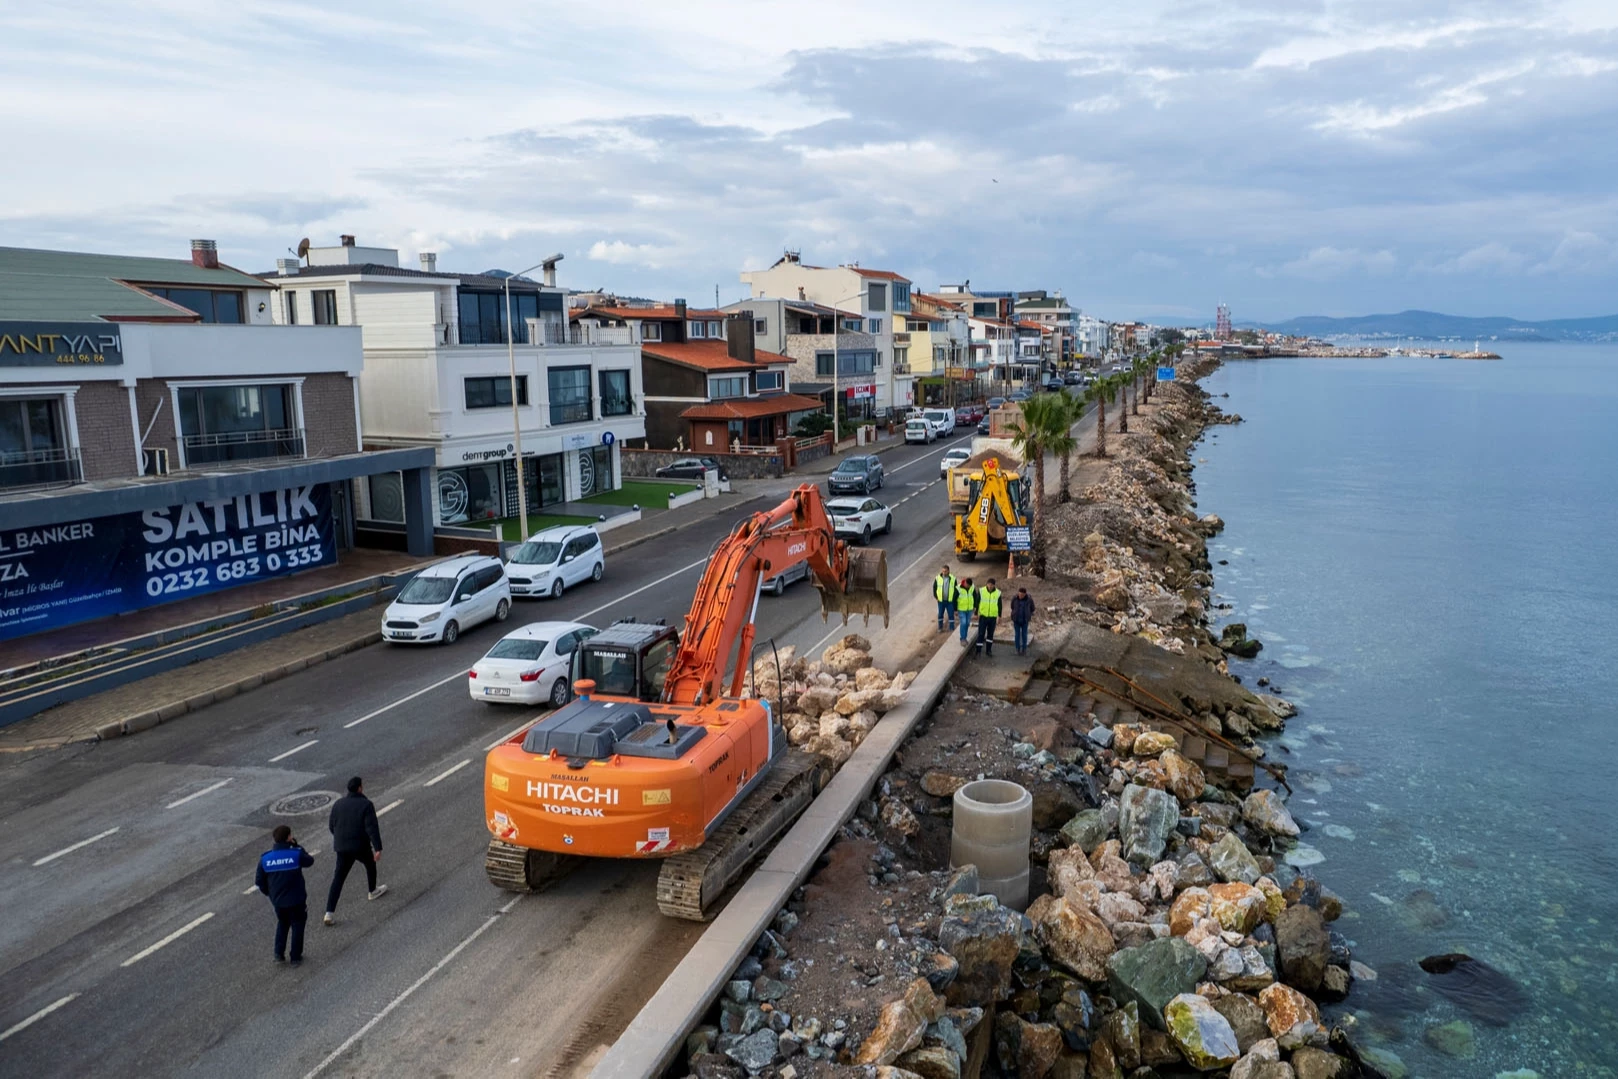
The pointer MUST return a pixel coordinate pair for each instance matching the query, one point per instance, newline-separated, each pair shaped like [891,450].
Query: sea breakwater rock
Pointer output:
[1454,1039]
[1311,1063]
[1152,743]
[1201,1034]
[1303,947]
[1280,706]
[900,1026]
[985,943]
[1263,809]
[1074,937]
[1024,1048]
[1146,819]
[1245,1017]
[1154,973]
[1291,1016]
[1231,860]
[1238,907]
[1183,778]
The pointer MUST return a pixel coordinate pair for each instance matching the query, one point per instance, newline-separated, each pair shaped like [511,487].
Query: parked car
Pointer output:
[919,429]
[442,600]
[554,560]
[967,415]
[529,665]
[1072,378]
[942,419]
[691,468]
[860,473]
[1054,384]
[798,571]
[859,517]
[953,458]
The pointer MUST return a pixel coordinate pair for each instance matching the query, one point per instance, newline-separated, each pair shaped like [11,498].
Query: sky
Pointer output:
[1149,160]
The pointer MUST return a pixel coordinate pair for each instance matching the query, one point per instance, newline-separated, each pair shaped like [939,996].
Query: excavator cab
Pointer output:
[627,660]
[867,591]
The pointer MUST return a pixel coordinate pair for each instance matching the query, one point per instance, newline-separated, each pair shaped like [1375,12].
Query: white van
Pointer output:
[920,430]
[942,419]
[444,599]
[555,560]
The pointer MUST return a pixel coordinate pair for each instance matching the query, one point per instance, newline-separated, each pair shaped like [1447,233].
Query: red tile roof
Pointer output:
[708,355]
[885,275]
[749,408]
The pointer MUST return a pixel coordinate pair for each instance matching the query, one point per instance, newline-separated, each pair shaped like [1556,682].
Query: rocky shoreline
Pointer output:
[1168,932]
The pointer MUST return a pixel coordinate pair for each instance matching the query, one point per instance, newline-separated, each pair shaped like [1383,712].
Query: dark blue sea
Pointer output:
[1429,551]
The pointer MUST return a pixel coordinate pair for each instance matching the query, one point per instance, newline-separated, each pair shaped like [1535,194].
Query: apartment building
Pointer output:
[161,439]
[1052,312]
[940,336]
[863,301]
[833,357]
[439,348]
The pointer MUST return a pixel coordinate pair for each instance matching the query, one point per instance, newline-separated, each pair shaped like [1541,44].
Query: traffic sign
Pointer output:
[1165,374]
[1019,538]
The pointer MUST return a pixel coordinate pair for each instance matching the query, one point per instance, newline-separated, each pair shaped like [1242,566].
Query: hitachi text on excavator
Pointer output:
[660,756]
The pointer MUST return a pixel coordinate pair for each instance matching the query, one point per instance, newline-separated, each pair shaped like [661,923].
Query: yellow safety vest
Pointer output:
[963,600]
[943,588]
[989,603]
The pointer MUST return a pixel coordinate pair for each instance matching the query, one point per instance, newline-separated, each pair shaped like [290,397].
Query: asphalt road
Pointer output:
[134,943]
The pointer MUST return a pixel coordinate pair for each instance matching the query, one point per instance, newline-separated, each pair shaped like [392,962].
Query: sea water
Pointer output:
[1429,551]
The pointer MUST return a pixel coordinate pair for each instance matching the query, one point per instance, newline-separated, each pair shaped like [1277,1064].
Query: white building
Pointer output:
[437,375]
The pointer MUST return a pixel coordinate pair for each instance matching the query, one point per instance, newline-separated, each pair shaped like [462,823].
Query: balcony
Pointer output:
[570,412]
[553,334]
[213,449]
[25,469]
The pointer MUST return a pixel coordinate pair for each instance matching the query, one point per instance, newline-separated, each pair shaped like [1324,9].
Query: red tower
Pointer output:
[1222,323]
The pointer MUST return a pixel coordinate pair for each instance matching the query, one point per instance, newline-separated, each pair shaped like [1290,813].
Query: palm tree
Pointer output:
[1065,443]
[1044,421]
[1123,410]
[1098,393]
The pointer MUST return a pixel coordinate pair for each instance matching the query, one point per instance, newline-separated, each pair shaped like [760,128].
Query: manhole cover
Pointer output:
[300,805]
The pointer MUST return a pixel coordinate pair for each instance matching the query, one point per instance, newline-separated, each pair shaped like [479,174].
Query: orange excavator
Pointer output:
[660,757]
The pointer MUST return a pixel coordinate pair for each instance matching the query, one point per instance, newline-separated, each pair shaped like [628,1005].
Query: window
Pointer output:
[214,305]
[730,386]
[469,494]
[901,297]
[292,308]
[876,296]
[325,301]
[33,443]
[651,331]
[716,329]
[237,423]
[696,330]
[851,362]
[853,325]
[985,309]
[615,400]
[761,326]
[767,380]
[876,325]
[901,356]
[495,392]
[570,394]
[483,315]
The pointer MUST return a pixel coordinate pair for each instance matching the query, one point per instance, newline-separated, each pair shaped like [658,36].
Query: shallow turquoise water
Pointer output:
[1427,549]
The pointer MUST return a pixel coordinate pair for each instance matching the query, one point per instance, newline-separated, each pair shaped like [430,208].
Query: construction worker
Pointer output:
[944,593]
[280,876]
[988,614]
[966,599]
[1022,613]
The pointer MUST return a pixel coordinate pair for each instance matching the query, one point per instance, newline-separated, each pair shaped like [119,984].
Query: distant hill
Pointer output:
[1434,326]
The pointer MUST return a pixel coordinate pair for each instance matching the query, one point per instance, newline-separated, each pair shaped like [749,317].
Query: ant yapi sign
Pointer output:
[56,575]
[59,344]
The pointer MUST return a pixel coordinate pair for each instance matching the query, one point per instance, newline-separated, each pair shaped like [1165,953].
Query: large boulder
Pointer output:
[817,700]
[1201,1034]
[860,700]
[1280,707]
[1054,805]
[1238,907]
[1086,831]
[932,1062]
[1264,810]
[1152,744]
[1028,1050]
[1155,973]
[900,1026]
[1311,1063]
[1146,819]
[1245,1017]
[756,1051]
[1291,1016]
[1067,867]
[985,942]
[1184,779]
[1303,947]
[871,678]
[1231,860]
[1190,907]
[1075,938]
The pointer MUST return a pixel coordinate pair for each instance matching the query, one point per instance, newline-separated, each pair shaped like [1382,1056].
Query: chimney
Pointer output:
[679,310]
[739,337]
[429,262]
[205,253]
[347,241]
[286,267]
[550,274]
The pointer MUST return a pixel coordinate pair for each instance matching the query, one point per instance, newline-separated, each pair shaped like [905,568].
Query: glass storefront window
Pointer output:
[469,494]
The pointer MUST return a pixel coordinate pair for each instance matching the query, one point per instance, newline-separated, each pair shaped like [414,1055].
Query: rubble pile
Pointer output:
[829,705]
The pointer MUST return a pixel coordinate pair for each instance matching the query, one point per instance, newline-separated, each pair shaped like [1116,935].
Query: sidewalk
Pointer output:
[144,704]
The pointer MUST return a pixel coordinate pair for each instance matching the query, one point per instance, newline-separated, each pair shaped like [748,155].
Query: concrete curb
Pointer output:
[145,721]
[657,1034]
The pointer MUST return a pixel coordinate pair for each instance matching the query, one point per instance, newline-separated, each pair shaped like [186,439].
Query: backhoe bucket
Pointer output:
[867,587]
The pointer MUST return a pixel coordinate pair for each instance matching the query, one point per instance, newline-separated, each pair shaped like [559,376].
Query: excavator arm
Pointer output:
[720,625]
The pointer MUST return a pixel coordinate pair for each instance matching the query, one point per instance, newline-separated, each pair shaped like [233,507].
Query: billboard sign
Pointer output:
[57,575]
[60,344]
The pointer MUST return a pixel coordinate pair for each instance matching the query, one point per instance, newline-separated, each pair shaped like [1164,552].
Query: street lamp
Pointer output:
[516,422]
[837,328]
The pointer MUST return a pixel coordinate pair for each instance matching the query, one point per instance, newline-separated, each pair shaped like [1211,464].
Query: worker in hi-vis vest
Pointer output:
[988,615]
[944,593]
[966,600]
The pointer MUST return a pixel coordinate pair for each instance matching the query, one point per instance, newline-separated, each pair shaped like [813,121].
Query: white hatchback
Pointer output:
[859,517]
[530,665]
[555,560]
[442,600]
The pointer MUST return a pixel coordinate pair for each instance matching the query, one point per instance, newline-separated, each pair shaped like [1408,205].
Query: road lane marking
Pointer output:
[402,997]
[37,1016]
[198,794]
[395,804]
[509,735]
[74,847]
[642,588]
[446,773]
[402,700]
[170,939]
[295,749]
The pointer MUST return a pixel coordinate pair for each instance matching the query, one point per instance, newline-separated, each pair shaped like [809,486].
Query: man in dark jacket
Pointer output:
[355,837]
[1022,613]
[280,876]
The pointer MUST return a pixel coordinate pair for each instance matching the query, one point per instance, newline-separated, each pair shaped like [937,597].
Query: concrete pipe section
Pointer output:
[993,818]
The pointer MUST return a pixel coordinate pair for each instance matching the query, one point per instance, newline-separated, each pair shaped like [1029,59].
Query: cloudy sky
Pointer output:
[1285,156]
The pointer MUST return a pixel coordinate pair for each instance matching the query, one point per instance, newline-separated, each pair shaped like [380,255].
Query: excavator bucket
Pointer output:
[867,592]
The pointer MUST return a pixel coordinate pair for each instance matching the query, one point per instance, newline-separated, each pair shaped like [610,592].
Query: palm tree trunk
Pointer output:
[1039,512]
[1066,493]
[1101,427]
[1123,411]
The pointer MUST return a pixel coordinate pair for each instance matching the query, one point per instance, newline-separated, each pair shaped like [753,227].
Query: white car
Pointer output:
[861,517]
[953,459]
[921,430]
[942,419]
[442,600]
[530,665]
[555,560]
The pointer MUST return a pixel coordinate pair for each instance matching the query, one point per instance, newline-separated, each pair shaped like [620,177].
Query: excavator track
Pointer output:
[518,869]
[689,883]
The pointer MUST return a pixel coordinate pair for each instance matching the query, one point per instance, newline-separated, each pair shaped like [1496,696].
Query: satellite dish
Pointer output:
[303,248]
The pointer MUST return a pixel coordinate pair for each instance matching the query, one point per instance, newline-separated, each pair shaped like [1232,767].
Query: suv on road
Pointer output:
[691,468]
[860,474]
[554,560]
[444,599]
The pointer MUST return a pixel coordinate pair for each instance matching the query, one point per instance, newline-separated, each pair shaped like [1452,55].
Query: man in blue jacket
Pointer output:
[280,876]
